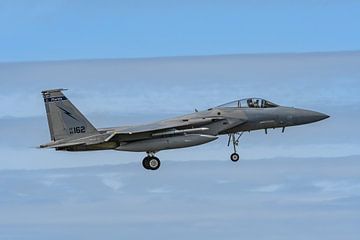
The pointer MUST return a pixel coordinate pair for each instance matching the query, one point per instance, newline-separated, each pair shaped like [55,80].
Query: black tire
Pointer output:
[234,157]
[145,162]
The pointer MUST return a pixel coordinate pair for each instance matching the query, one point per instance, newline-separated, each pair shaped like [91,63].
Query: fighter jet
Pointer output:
[71,131]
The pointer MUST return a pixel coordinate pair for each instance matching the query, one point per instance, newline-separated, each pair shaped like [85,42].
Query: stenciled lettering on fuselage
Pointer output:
[77,130]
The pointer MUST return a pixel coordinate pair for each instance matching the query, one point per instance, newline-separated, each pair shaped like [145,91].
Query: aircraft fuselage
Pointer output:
[71,131]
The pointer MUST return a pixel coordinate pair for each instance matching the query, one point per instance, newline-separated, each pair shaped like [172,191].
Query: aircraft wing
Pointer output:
[168,124]
[133,133]
[160,128]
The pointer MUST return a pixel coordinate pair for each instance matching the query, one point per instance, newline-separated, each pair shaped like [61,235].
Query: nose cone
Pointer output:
[312,116]
[307,116]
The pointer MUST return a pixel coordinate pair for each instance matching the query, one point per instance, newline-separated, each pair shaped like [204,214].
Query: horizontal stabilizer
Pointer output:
[90,140]
[61,145]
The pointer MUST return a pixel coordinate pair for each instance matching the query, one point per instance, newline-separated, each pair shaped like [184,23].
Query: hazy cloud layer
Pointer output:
[264,199]
[133,91]
[176,85]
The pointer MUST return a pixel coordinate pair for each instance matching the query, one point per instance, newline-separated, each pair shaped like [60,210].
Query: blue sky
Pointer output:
[120,61]
[61,29]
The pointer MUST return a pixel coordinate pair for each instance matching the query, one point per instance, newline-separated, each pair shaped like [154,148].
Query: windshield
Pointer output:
[250,103]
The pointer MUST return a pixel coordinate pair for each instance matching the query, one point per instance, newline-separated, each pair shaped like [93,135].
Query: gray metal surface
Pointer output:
[71,131]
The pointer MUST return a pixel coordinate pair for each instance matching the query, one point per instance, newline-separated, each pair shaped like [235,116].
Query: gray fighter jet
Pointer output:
[71,131]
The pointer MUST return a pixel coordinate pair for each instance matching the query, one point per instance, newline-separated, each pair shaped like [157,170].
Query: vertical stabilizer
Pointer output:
[64,119]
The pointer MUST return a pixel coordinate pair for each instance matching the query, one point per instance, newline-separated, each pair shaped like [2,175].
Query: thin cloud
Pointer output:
[268,188]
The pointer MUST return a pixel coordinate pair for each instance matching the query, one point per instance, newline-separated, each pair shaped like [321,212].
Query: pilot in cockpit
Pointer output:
[250,103]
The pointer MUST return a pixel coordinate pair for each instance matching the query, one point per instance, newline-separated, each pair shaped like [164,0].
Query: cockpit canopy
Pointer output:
[249,103]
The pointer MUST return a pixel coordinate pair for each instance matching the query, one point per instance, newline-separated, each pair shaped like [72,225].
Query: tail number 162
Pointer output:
[75,130]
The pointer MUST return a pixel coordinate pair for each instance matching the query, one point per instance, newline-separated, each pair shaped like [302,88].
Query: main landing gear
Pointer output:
[234,139]
[151,162]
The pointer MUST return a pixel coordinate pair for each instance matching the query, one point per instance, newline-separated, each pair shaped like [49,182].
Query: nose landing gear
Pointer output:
[234,157]
[150,162]
[234,139]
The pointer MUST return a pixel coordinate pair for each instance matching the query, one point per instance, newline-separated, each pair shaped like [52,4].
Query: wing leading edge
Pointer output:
[161,128]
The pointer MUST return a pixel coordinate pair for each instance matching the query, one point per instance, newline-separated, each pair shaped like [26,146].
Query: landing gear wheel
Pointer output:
[145,162]
[151,163]
[234,157]
[154,163]
[235,142]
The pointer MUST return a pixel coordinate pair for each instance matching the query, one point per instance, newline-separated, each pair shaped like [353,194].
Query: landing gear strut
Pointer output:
[234,139]
[151,162]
